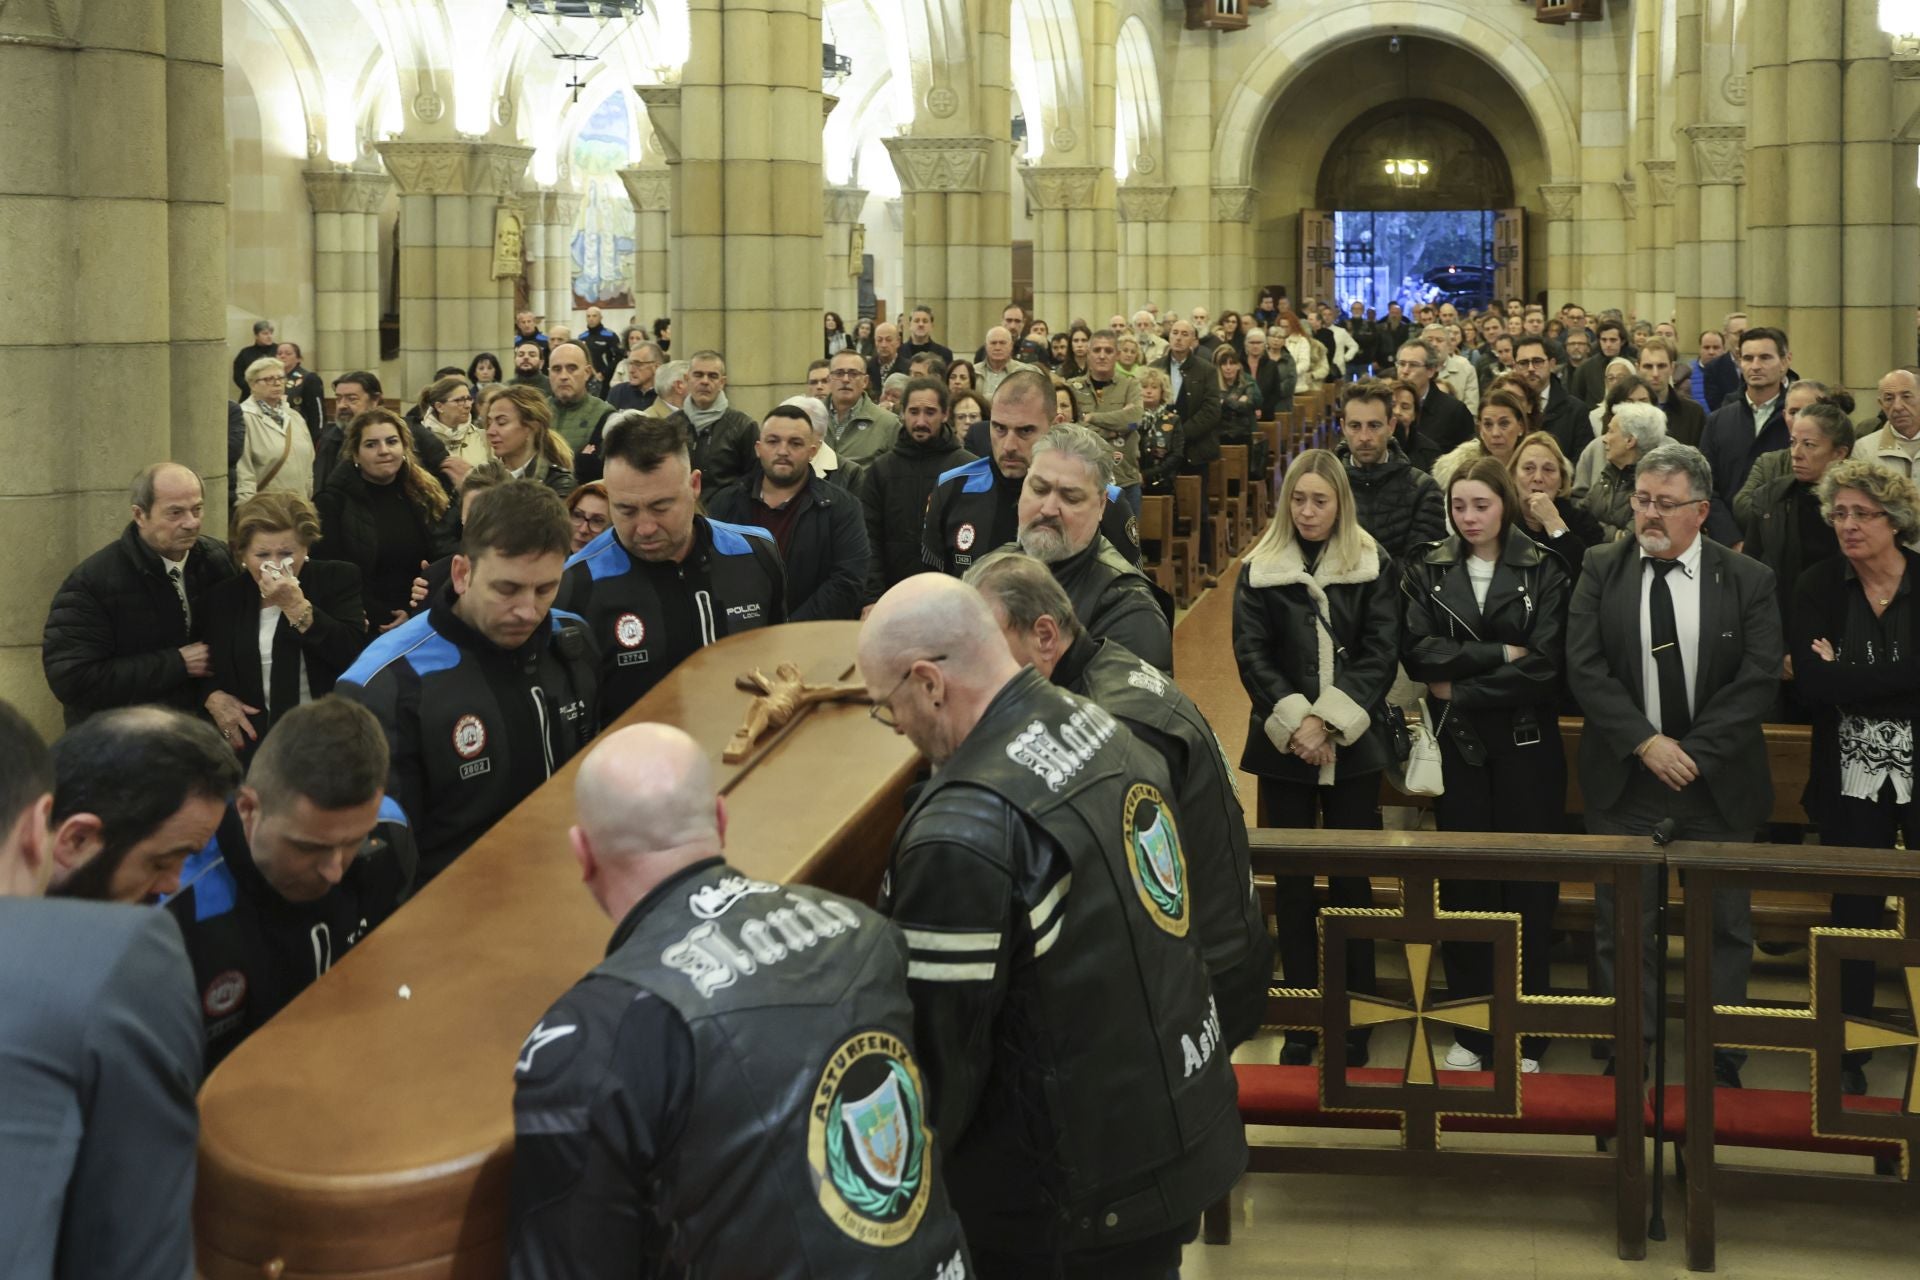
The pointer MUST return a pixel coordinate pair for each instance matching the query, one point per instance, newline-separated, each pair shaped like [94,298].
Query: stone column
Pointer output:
[1563,205]
[1635,196]
[1813,180]
[1764,291]
[1191,215]
[1876,322]
[1689,317]
[549,253]
[840,209]
[956,230]
[450,304]
[1233,245]
[113,179]
[1073,272]
[1143,244]
[1657,195]
[346,268]
[741,133]
[650,189]
[1719,165]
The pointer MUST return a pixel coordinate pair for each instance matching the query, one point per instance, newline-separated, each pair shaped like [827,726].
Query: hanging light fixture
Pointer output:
[561,27]
[835,66]
[1407,171]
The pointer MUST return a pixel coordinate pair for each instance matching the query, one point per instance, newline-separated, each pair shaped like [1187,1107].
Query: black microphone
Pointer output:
[1663,832]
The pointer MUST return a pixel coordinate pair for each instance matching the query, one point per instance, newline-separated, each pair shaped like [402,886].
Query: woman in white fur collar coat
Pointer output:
[1316,634]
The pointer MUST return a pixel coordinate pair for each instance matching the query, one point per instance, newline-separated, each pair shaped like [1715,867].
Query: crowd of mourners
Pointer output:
[423,608]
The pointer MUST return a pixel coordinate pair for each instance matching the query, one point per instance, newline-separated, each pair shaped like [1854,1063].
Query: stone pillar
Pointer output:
[1143,245]
[1719,165]
[1073,271]
[450,304]
[957,231]
[1233,255]
[1689,317]
[1636,196]
[1191,224]
[1764,290]
[1563,204]
[113,179]
[346,268]
[650,190]
[742,136]
[549,253]
[1876,322]
[1812,180]
[840,209]
[1657,196]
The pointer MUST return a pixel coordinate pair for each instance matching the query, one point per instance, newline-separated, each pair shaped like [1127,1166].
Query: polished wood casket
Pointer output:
[368,1131]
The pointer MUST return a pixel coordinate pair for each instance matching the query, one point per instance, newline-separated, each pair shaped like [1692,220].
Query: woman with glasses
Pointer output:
[276,454]
[1852,637]
[590,512]
[446,409]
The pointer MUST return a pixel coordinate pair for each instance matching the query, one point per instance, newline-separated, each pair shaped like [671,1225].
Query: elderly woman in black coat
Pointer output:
[1316,634]
[1547,513]
[1852,636]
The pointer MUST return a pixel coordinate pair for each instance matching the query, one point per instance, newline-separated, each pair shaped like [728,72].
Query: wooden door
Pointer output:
[1316,255]
[1509,254]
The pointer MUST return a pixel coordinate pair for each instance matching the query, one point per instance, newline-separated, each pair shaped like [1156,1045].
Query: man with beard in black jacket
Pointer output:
[124,628]
[1399,505]
[896,486]
[1043,633]
[1076,1066]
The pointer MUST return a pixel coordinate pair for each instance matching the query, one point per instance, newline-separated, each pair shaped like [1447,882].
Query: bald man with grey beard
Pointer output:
[632,1141]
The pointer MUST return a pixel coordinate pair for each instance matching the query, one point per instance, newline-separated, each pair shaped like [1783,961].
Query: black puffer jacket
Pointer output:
[1293,668]
[115,630]
[349,532]
[1397,503]
[1449,637]
[894,488]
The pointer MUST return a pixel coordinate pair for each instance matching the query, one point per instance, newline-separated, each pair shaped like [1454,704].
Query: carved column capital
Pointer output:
[455,168]
[1143,204]
[1062,186]
[550,208]
[939,164]
[1562,200]
[663,113]
[1659,181]
[842,205]
[346,190]
[1234,204]
[649,187]
[1719,153]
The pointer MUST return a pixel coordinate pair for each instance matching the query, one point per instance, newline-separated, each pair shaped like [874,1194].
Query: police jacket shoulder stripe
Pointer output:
[978,476]
[731,539]
[207,876]
[559,619]
[424,649]
[390,811]
[604,556]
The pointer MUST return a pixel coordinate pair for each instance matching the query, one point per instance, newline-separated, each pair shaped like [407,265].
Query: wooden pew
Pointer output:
[367,1131]
[1157,543]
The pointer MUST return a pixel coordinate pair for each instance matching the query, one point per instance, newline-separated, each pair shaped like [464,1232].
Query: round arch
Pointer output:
[1292,53]
[1054,86]
[1139,134]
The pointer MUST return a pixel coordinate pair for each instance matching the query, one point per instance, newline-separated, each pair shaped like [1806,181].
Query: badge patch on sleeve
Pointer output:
[867,1140]
[1155,859]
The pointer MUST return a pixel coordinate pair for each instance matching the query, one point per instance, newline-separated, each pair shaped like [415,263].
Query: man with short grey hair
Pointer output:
[857,428]
[999,362]
[1146,330]
[1897,444]
[1673,652]
[1061,506]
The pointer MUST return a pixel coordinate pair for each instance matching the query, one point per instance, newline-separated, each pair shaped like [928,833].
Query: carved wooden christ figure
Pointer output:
[782,698]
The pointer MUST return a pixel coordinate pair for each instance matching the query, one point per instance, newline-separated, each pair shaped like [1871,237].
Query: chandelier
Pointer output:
[1406,171]
[560,26]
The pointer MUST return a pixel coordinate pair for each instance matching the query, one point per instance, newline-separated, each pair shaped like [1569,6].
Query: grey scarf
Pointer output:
[702,419]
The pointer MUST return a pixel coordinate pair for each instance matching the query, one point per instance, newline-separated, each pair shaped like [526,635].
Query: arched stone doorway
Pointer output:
[1328,103]
[1469,169]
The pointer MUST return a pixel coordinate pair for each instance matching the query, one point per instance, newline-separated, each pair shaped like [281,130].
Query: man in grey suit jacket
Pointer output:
[1641,763]
[99,1061]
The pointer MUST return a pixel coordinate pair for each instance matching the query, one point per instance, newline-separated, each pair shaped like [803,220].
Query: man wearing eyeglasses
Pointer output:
[637,391]
[1673,652]
[1440,418]
[1076,1064]
[857,428]
[1564,416]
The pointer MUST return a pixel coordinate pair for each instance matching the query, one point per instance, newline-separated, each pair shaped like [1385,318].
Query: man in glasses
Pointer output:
[1673,652]
[1439,417]
[857,428]
[1046,867]
[1564,416]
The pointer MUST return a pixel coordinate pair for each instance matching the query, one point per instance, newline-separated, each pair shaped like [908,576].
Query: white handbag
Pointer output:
[1423,776]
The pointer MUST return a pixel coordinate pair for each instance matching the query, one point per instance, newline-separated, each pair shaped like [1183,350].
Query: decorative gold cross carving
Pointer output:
[1862,1034]
[1373,1011]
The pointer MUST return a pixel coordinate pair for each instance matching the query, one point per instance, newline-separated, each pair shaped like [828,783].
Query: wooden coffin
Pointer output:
[368,1130]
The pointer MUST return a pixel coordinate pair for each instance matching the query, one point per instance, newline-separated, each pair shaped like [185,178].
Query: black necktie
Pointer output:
[1676,712]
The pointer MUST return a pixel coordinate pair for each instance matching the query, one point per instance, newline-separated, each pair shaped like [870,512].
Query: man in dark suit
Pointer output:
[1747,424]
[1196,394]
[1563,415]
[1720,376]
[1388,334]
[1685,419]
[99,1060]
[1441,419]
[1673,652]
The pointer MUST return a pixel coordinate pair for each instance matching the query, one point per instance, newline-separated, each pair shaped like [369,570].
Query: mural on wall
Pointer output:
[603,232]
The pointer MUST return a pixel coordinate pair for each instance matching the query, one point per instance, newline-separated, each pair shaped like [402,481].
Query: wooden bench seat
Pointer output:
[1777,1119]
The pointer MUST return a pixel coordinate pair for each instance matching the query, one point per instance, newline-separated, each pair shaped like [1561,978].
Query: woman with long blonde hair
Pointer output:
[1316,634]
